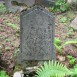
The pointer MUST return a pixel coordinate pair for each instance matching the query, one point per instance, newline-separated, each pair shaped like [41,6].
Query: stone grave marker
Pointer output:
[37,35]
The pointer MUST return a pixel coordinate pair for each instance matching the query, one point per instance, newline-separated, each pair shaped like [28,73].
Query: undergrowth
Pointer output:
[55,69]
[3,74]
[60,6]
[59,45]
[2,8]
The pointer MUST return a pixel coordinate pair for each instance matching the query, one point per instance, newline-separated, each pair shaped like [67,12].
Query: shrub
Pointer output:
[60,6]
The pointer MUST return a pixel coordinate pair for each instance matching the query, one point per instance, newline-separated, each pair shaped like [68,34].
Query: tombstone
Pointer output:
[37,36]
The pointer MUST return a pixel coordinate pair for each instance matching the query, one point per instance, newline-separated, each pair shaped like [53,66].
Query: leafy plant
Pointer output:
[57,43]
[16,51]
[60,6]
[2,8]
[74,70]
[70,32]
[59,47]
[7,48]
[69,42]
[3,74]
[71,59]
[55,69]
[63,20]
[12,25]
[52,69]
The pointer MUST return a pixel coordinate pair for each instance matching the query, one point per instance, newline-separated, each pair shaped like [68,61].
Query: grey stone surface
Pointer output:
[29,3]
[10,7]
[48,3]
[74,24]
[1,1]
[13,8]
[37,35]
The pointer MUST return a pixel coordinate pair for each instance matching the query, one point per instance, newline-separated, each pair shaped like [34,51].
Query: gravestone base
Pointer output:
[29,63]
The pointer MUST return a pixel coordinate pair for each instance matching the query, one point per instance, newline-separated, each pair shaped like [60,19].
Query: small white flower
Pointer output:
[18,74]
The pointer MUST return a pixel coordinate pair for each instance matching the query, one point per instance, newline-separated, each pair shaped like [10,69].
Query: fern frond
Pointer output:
[69,42]
[52,69]
[74,71]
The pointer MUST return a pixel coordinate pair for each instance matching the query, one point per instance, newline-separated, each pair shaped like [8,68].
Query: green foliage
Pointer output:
[52,69]
[71,59]
[7,39]
[74,70]
[16,51]
[3,74]
[61,45]
[69,42]
[57,43]
[7,48]
[63,20]
[12,25]
[70,32]
[56,69]
[2,8]
[60,6]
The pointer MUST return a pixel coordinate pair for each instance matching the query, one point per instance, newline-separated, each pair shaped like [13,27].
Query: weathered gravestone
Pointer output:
[37,35]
